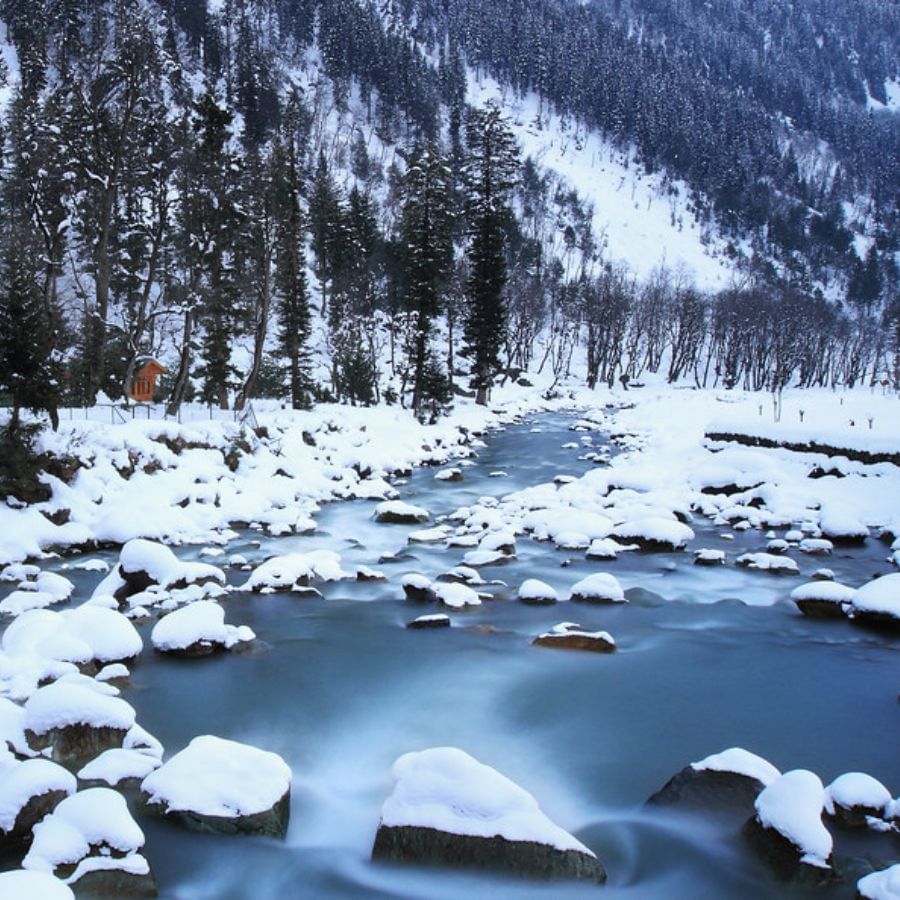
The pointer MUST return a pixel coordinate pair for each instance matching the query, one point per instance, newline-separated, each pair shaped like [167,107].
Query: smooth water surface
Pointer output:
[340,689]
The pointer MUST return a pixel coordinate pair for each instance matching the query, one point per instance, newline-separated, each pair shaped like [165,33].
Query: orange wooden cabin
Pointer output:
[143,385]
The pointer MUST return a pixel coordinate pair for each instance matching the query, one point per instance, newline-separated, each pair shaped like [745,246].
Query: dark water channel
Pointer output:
[340,689]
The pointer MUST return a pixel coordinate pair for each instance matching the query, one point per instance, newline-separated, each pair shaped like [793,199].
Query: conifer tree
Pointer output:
[490,176]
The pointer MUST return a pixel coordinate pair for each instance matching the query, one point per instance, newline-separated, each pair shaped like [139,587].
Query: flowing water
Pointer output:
[340,689]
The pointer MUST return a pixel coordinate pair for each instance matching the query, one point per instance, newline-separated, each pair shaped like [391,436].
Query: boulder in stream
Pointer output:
[534,592]
[823,599]
[396,512]
[197,630]
[883,885]
[598,588]
[222,787]
[570,636]
[730,780]
[449,809]
[877,603]
[854,798]
[30,790]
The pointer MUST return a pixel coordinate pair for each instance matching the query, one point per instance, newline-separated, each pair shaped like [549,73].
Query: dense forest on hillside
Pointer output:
[295,199]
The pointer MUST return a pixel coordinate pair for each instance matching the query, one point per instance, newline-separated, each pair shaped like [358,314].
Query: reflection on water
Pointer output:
[340,689]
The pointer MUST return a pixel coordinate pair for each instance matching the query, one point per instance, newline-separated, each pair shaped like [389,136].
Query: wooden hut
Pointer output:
[143,385]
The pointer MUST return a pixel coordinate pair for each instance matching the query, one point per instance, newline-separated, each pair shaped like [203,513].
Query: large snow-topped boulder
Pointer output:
[655,533]
[787,830]
[77,721]
[222,787]
[883,885]
[823,599]
[144,563]
[20,884]
[877,603]
[534,592]
[600,587]
[571,636]
[728,780]
[110,635]
[449,809]
[852,798]
[91,841]
[396,512]
[418,588]
[197,630]
[295,571]
[29,790]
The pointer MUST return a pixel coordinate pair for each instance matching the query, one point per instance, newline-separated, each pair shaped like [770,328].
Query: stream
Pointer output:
[340,689]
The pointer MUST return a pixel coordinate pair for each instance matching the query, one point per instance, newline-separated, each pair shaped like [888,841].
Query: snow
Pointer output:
[30,778]
[292,569]
[534,589]
[656,529]
[456,596]
[452,474]
[829,591]
[202,622]
[792,805]
[21,884]
[477,558]
[95,818]
[575,630]
[883,885]
[62,704]
[881,595]
[217,777]
[600,586]
[446,789]
[740,761]
[119,764]
[163,566]
[856,789]
[768,562]
[402,510]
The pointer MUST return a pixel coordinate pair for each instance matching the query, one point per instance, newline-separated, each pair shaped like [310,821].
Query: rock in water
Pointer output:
[883,885]
[222,787]
[569,636]
[30,790]
[396,512]
[854,798]
[877,603]
[449,809]
[91,842]
[823,599]
[729,780]
[787,830]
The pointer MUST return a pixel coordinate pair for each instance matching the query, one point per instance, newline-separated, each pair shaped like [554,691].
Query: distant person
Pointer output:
[624,378]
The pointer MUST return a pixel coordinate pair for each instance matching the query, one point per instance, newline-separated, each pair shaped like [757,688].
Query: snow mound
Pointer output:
[163,566]
[63,703]
[768,562]
[396,511]
[740,761]
[535,591]
[21,884]
[881,596]
[85,829]
[446,789]
[655,530]
[27,779]
[826,591]
[792,805]
[883,885]
[856,789]
[117,765]
[295,571]
[600,587]
[456,596]
[217,777]
[201,624]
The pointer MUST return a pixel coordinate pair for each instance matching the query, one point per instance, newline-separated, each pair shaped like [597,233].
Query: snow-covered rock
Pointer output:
[534,592]
[877,603]
[295,571]
[655,532]
[29,790]
[452,474]
[600,587]
[438,620]
[397,512]
[76,721]
[47,589]
[456,596]
[854,796]
[20,884]
[91,841]
[197,630]
[787,829]
[823,599]
[728,780]
[571,636]
[883,885]
[768,562]
[418,588]
[113,767]
[224,787]
[841,525]
[708,557]
[816,546]
[447,808]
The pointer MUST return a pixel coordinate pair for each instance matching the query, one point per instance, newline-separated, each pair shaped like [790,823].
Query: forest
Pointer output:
[294,199]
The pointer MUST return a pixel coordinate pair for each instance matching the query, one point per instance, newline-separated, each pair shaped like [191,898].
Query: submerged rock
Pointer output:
[449,809]
[730,780]
[222,787]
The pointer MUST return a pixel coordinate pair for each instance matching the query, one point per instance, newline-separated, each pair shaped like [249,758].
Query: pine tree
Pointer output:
[427,251]
[490,176]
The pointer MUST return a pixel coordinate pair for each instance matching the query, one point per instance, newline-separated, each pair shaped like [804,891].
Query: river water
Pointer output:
[340,689]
